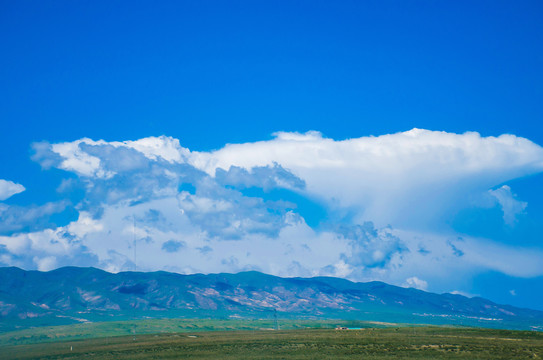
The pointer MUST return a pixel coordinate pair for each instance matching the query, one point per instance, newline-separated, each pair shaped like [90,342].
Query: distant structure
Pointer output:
[135,269]
[134,234]
[275,322]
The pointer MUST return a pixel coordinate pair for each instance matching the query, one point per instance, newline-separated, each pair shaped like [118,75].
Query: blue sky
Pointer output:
[167,86]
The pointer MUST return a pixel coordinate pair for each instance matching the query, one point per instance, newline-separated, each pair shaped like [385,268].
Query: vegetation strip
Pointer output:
[387,343]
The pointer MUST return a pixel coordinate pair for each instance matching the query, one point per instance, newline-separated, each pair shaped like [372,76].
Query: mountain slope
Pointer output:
[71,294]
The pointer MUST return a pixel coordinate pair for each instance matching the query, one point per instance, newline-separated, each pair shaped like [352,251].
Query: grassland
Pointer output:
[162,326]
[303,343]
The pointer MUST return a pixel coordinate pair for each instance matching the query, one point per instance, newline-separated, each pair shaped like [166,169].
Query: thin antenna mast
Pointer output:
[135,269]
[134,233]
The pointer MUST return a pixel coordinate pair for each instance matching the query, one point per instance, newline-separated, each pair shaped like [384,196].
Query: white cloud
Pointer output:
[186,204]
[370,247]
[28,218]
[81,157]
[513,261]
[409,178]
[463,293]
[46,263]
[162,147]
[415,282]
[448,254]
[45,248]
[84,225]
[511,207]
[79,161]
[168,239]
[9,188]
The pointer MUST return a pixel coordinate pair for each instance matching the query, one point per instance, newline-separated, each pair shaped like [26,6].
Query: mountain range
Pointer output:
[77,295]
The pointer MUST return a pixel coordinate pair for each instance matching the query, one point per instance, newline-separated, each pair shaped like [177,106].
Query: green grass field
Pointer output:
[158,326]
[176,340]
[402,343]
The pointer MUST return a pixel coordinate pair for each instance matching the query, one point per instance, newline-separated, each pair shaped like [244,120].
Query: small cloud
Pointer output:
[340,269]
[415,282]
[311,135]
[65,185]
[297,269]
[9,188]
[229,215]
[423,251]
[265,177]
[172,246]
[513,292]
[456,251]
[232,261]
[46,263]
[205,250]
[463,293]
[511,207]
[370,247]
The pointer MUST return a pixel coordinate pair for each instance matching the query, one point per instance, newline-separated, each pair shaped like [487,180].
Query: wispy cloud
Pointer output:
[510,205]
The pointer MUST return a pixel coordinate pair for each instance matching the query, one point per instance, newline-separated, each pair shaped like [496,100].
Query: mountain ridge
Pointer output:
[75,294]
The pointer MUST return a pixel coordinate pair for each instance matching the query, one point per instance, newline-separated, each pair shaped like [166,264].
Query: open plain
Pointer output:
[366,343]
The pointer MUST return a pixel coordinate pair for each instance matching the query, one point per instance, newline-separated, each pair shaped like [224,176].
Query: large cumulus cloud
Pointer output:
[191,211]
[409,178]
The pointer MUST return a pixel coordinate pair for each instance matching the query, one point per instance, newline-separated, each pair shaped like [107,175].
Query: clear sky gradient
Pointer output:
[211,73]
